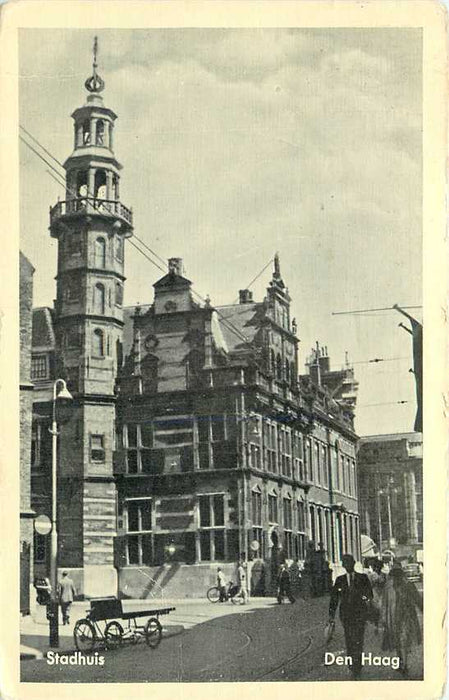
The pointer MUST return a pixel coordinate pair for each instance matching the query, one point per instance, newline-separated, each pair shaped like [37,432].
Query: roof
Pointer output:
[43,333]
[239,322]
[391,437]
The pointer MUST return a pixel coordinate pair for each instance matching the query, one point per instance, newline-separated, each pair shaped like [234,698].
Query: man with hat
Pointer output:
[66,594]
[353,592]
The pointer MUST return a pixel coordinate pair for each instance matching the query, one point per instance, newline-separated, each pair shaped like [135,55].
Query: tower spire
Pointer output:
[95,83]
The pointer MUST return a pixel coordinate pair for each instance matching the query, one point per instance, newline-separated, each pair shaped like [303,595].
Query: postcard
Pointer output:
[224,270]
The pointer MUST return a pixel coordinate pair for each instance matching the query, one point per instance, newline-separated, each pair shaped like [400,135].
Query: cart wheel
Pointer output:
[213,594]
[153,632]
[113,635]
[84,635]
[233,595]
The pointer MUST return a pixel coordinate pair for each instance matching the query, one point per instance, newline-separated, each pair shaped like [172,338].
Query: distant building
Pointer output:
[26,271]
[191,440]
[390,490]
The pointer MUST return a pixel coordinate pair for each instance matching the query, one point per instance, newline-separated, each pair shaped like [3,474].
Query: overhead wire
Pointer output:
[104,205]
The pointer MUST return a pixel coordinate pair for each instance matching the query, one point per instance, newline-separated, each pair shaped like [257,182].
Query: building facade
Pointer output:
[191,439]
[26,271]
[390,488]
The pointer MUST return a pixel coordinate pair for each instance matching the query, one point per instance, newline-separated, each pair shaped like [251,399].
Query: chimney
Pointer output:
[324,361]
[175,266]
[245,296]
[315,365]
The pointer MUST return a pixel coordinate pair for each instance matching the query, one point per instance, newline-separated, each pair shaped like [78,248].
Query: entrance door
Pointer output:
[25,578]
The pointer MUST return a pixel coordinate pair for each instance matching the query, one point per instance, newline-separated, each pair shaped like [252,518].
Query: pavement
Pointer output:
[34,628]
[261,641]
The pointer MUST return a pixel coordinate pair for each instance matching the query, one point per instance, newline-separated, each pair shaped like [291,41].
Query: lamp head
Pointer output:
[64,393]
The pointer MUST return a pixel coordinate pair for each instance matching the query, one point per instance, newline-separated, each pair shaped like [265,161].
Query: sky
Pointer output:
[237,143]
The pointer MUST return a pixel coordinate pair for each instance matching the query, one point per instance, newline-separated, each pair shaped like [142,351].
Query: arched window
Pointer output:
[86,132]
[98,343]
[99,137]
[292,373]
[100,185]
[287,371]
[119,247]
[118,294]
[279,367]
[115,187]
[100,253]
[99,298]
[81,183]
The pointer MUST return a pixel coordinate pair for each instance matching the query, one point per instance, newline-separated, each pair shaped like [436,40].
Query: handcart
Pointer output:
[88,631]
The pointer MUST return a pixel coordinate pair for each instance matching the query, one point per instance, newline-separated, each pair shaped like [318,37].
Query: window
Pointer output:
[99,140]
[86,132]
[273,363]
[301,513]
[273,508]
[269,433]
[97,452]
[288,526]
[139,543]
[100,253]
[342,474]
[212,532]
[324,460]
[98,343]
[72,338]
[119,246]
[285,451]
[279,368]
[317,463]
[254,456]
[99,298]
[39,367]
[309,460]
[143,457]
[100,184]
[118,294]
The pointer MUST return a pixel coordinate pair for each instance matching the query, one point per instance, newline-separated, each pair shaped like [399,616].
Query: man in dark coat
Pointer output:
[353,592]
[284,585]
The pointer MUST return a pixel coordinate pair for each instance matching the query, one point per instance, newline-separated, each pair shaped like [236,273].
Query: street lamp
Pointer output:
[388,490]
[63,393]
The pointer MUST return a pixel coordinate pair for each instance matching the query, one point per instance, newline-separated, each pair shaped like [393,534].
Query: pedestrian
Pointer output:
[221,583]
[352,591]
[241,582]
[377,579]
[399,616]
[284,585]
[66,594]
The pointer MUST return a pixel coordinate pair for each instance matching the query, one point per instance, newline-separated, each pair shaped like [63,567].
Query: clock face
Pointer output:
[170,306]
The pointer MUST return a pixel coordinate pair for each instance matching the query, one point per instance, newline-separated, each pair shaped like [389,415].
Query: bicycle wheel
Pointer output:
[113,635]
[213,594]
[153,632]
[84,635]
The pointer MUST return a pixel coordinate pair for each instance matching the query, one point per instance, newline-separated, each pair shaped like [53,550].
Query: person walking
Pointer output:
[241,582]
[352,591]
[66,595]
[221,583]
[284,585]
[377,579]
[399,616]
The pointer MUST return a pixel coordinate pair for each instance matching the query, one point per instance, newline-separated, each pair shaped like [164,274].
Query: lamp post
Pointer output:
[388,490]
[63,393]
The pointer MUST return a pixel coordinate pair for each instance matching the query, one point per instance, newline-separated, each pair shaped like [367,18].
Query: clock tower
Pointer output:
[91,226]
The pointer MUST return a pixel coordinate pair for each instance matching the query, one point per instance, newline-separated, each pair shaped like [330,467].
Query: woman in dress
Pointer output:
[399,616]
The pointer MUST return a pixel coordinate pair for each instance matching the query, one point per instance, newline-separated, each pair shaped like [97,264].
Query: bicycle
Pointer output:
[213,594]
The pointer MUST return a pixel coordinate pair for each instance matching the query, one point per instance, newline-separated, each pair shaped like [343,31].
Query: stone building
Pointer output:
[26,271]
[390,491]
[191,440]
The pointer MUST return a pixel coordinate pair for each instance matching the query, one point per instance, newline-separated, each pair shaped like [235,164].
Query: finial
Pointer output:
[94,83]
[277,265]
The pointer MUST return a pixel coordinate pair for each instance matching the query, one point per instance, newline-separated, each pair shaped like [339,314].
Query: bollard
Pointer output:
[53,620]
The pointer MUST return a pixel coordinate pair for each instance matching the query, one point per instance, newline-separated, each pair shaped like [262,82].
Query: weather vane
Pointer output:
[94,83]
